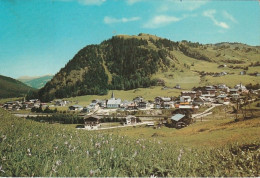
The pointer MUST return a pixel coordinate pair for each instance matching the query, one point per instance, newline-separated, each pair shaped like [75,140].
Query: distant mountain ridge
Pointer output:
[35,82]
[10,88]
[127,62]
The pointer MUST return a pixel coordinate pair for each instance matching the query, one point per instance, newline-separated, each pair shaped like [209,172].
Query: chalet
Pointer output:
[178,120]
[192,94]
[33,100]
[198,101]
[177,86]
[138,99]
[131,106]
[185,99]
[130,119]
[91,108]
[233,91]
[61,102]
[168,105]
[92,122]
[113,102]
[159,101]
[76,108]
[235,96]
[241,88]
[143,105]
[222,99]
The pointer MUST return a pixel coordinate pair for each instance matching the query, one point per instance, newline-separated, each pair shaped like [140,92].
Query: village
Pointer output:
[184,107]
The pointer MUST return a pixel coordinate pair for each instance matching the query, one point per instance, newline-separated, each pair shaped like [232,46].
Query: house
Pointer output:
[192,94]
[76,108]
[92,107]
[185,99]
[92,122]
[235,96]
[178,121]
[198,101]
[222,99]
[241,88]
[159,101]
[131,106]
[138,99]
[60,102]
[177,86]
[142,105]
[113,102]
[242,73]
[130,119]
[233,91]
[168,105]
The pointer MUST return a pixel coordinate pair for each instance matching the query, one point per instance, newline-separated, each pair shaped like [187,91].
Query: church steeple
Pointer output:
[112,96]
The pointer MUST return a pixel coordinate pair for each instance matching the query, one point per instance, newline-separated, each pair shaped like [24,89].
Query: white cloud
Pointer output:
[211,14]
[87,2]
[174,5]
[229,16]
[161,20]
[110,20]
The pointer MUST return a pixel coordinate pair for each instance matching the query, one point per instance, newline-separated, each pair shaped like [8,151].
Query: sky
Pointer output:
[38,37]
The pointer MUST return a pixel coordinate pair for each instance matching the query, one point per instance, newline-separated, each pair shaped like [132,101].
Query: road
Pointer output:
[116,127]
[205,113]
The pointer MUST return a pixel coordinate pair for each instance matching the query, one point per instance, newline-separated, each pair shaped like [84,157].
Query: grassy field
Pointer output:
[226,149]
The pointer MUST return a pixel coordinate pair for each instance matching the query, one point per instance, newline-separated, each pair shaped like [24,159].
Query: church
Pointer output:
[113,102]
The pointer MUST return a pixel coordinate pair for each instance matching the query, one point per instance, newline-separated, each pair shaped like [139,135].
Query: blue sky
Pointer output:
[39,37]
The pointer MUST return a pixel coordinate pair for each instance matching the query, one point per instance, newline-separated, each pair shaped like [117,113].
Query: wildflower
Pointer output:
[91,172]
[137,141]
[134,155]
[58,162]
[143,147]
[53,169]
[4,158]
[2,169]
[112,149]
[87,152]
[98,152]
[66,143]
[180,155]
[152,176]
[3,137]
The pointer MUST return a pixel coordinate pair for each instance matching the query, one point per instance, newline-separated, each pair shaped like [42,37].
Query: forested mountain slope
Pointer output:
[128,62]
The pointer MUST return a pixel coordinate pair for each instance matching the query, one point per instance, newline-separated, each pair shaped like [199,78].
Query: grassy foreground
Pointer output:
[28,148]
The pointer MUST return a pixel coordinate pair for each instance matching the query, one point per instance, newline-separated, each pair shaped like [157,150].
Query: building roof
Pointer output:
[114,101]
[177,117]
[188,92]
[185,96]
[76,106]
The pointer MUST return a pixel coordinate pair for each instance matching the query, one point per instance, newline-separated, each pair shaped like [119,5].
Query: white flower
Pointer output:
[2,169]
[58,162]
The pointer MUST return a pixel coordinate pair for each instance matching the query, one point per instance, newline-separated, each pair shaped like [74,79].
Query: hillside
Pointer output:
[10,88]
[36,82]
[34,149]
[128,62]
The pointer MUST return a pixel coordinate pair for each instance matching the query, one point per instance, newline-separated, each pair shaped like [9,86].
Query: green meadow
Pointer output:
[214,147]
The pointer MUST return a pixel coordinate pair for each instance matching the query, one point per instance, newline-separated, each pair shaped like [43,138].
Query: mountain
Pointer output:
[127,62]
[10,88]
[35,82]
